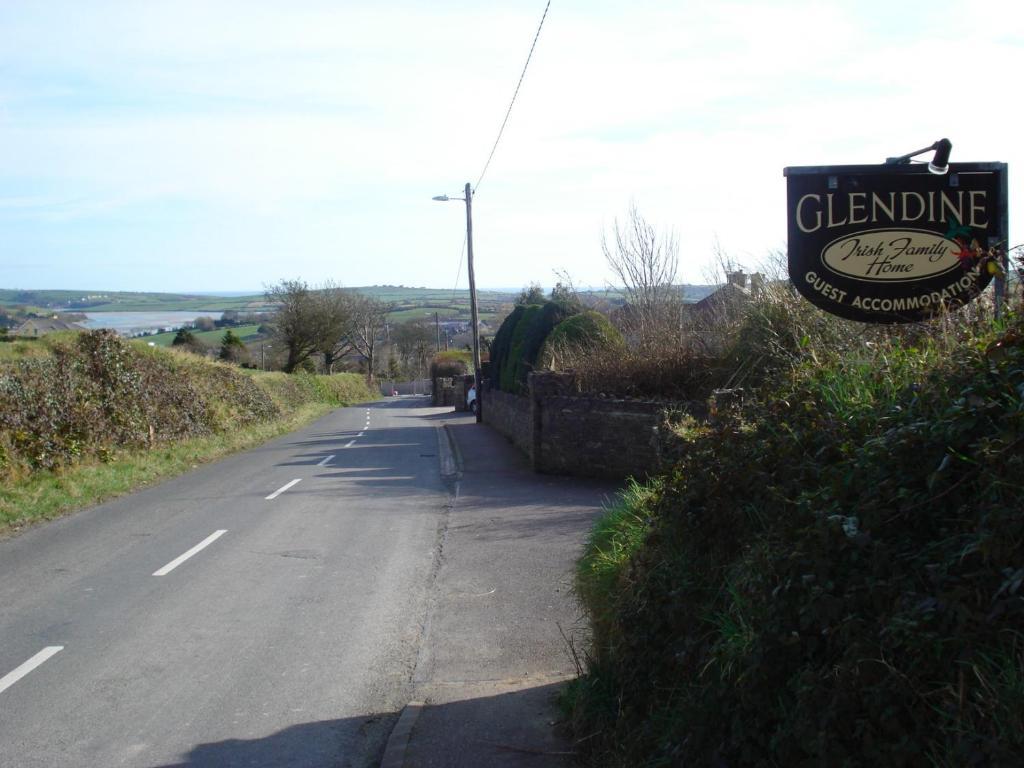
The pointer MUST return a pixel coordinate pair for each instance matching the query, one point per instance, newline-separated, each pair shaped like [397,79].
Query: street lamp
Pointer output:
[472,295]
[940,161]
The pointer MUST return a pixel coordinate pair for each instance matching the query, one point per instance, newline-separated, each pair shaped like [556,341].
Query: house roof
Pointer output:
[729,292]
[39,326]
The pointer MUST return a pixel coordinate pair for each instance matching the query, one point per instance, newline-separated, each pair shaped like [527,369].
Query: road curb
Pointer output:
[398,741]
[455,448]
[451,456]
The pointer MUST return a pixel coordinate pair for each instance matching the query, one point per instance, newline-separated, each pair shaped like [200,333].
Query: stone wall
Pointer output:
[598,437]
[510,415]
[586,436]
[452,391]
[445,392]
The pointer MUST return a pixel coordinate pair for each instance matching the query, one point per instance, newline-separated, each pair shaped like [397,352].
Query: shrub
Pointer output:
[519,340]
[834,576]
[670,373]
[450,364]
[577,337]
[92,393]
[502,344]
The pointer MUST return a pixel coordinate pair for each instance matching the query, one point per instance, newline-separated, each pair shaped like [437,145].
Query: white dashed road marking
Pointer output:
[182,558]
[283,488]
[15,675]
[324,461]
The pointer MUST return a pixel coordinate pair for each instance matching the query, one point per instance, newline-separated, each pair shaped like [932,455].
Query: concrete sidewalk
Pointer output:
[493,656]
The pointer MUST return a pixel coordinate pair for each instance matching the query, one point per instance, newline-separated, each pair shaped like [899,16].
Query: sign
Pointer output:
[895,243]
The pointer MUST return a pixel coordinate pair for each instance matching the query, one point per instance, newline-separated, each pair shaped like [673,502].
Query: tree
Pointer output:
[205,324]
[296,324]
[369,317]
[394,369]
[229,317]
[532,294]
[646,263]
[414,344]
[187,340]
[335,309]
[232,349]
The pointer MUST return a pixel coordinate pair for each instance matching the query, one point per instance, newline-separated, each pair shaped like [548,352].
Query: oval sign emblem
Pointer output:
[891,255]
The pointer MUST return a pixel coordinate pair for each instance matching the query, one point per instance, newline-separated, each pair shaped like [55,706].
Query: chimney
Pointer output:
[757,283]
[738,278]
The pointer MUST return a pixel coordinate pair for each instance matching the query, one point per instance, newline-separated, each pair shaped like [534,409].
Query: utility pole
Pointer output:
[472,304]
[474,311]
[437,333]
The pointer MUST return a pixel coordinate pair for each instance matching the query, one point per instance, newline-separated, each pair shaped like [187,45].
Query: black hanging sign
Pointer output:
[895,243]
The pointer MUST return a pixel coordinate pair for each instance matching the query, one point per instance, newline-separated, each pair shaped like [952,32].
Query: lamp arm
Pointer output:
[941,144]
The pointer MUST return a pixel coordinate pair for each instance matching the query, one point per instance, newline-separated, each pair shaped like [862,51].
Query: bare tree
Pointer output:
[413,344]
[646,263]
[295,323]
[369,317]
[335,309]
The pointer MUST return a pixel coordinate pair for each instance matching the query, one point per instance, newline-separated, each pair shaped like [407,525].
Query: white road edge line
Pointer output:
[15,675]
[325,460]
[283,488]
[182,558]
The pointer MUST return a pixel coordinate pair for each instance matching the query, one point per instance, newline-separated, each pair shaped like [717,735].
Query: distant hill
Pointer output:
[403,298]
[126,301]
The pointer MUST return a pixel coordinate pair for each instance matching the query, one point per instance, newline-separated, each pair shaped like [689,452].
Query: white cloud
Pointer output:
[264,137]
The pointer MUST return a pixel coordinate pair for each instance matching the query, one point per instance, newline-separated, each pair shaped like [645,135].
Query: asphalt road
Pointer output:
[209,622]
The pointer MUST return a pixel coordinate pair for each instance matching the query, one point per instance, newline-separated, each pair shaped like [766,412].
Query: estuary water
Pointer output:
[132,323]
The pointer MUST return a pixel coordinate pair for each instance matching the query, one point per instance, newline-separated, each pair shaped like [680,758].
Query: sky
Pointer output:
[203,146]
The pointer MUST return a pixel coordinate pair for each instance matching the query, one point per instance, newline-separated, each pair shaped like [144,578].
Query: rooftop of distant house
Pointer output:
[40,326]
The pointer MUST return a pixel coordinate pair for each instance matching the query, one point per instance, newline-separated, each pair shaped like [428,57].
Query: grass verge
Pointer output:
[48,495]
[86,417]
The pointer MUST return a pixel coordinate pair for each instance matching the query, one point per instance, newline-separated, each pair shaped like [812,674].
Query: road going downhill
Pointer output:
[266,610]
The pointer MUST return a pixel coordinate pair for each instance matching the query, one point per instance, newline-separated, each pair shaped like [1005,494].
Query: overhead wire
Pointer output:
[508,112]
[458,272]
[501,131]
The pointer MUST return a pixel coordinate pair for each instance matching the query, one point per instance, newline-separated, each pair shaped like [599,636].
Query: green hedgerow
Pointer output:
[832,576]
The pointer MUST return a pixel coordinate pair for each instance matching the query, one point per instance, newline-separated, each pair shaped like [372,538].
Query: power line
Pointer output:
[518,85]
[458,272]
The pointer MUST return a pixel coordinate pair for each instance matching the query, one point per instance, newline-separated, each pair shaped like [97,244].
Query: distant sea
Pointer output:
[134,323]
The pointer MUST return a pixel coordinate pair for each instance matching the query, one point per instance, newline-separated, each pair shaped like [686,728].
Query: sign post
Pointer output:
[896,243]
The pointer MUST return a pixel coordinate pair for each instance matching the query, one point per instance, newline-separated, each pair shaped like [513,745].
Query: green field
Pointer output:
[209,338]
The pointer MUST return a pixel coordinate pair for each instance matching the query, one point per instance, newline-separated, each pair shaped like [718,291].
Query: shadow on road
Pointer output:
[350,741]
[512,728]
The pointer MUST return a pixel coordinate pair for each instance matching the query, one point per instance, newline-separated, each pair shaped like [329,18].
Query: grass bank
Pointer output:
[833,573]
[86,417]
